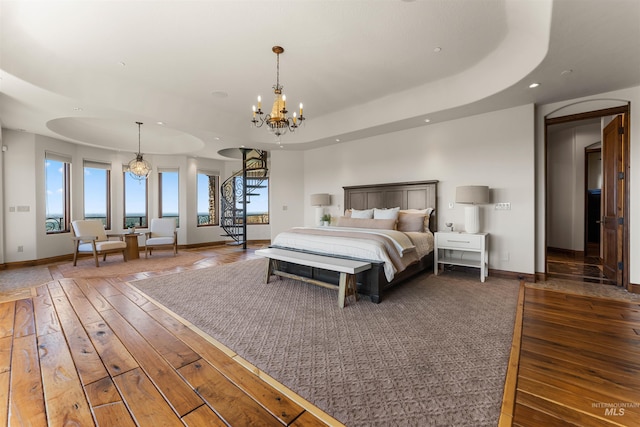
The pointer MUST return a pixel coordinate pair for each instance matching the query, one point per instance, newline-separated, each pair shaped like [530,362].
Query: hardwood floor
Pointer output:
[578,362]
[575,266]
[97,352]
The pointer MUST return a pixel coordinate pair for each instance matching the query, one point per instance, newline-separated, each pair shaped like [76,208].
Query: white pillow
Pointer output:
[366,213]
[391,213]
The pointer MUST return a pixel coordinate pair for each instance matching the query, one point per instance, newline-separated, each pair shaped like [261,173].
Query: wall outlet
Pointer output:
[450,205]
[20,248]
[503,206]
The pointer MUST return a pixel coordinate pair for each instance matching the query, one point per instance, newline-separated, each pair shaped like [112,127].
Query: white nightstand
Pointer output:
[469,250]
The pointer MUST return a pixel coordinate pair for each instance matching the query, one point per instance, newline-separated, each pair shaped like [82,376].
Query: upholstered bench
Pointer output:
[347,268]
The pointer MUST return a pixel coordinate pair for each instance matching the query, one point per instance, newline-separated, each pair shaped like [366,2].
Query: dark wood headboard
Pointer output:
[407,195]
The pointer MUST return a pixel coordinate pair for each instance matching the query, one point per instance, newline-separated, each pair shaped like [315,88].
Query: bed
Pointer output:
[398,240]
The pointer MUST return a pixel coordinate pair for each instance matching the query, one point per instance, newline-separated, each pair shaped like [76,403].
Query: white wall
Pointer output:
[494,149]
[287,193]
[2,214]
[19,184]
[592,103]
[24,186]
[566,176]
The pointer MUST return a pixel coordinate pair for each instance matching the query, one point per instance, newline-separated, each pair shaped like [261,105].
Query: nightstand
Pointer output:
[469,250]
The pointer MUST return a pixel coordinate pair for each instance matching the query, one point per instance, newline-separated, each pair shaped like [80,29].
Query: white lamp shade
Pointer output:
[472,194]
[320,199]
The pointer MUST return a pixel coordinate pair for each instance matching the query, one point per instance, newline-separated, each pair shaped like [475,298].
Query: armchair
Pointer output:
[90,237]
[162,234]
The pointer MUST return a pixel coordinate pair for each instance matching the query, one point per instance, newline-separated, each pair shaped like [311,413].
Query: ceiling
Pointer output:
[86,71]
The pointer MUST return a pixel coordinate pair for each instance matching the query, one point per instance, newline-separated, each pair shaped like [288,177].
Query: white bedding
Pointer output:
[420,243]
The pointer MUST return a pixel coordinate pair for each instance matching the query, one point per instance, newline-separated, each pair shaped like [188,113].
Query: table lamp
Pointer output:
[472,195]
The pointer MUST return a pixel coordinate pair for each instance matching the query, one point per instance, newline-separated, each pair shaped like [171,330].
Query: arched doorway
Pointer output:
[567,248]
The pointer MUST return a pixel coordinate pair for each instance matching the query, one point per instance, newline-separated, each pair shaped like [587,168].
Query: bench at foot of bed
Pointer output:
[346,267]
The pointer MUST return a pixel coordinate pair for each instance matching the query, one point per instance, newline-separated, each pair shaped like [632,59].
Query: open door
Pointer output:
[592,198]
[613,200]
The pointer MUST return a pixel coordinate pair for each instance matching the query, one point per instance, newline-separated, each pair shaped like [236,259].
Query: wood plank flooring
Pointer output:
[579,361]
[97,352]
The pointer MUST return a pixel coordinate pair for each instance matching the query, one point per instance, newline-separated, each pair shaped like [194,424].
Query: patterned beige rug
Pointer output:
[434,352]
[26,277]
[115,266]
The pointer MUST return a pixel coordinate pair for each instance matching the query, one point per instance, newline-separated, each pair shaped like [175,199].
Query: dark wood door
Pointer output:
[612,200]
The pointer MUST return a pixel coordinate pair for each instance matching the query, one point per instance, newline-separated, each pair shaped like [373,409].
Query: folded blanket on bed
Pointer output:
[392,247]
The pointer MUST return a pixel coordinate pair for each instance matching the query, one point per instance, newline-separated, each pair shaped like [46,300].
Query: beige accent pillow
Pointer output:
[426,213]
[380,224]
[412,222]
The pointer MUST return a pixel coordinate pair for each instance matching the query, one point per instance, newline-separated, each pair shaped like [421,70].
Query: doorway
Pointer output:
[593,199]
[576,206]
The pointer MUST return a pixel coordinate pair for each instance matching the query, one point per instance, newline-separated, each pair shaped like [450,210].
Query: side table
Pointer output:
[133,252]
[454,248]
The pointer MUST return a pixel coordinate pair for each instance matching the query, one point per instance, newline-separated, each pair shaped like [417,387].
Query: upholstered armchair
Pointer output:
[162,234]
[90,237]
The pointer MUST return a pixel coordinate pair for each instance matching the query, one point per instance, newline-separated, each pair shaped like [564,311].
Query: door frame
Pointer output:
[626,163]
[588,151]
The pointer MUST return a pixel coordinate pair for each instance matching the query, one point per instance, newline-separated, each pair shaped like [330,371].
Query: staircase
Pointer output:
[236,192]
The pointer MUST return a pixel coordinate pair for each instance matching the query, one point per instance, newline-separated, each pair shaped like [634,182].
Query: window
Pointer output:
[257,200]
[168,197]
[207,190]
[57,171]
[135,201]
[97,192]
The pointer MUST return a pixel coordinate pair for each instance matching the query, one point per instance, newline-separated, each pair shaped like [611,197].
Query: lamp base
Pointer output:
[472,219]
[319,213]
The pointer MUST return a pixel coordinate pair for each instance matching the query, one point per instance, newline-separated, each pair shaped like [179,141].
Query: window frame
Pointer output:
[268,213]
[144,220]
[107,167]
[216,176]
[65,223]
[160,193]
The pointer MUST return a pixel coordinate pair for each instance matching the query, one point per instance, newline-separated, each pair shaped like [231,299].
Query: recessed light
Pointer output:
[217,138]
[122,64]
[437,49]
[532,85]
[427,120]
[337,139]
[160,123]
[77,109]
[565,72]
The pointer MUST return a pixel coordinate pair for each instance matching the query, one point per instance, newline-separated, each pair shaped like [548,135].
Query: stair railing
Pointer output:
[236,192]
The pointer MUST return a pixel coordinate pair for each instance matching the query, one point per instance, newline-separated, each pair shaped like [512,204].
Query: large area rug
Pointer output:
[434,352]
[115,266]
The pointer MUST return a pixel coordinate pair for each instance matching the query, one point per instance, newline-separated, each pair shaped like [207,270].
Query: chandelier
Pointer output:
[139,168]
[277,121]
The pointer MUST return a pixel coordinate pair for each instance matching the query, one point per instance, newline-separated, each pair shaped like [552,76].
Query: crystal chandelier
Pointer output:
[139,168]
[277,121]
